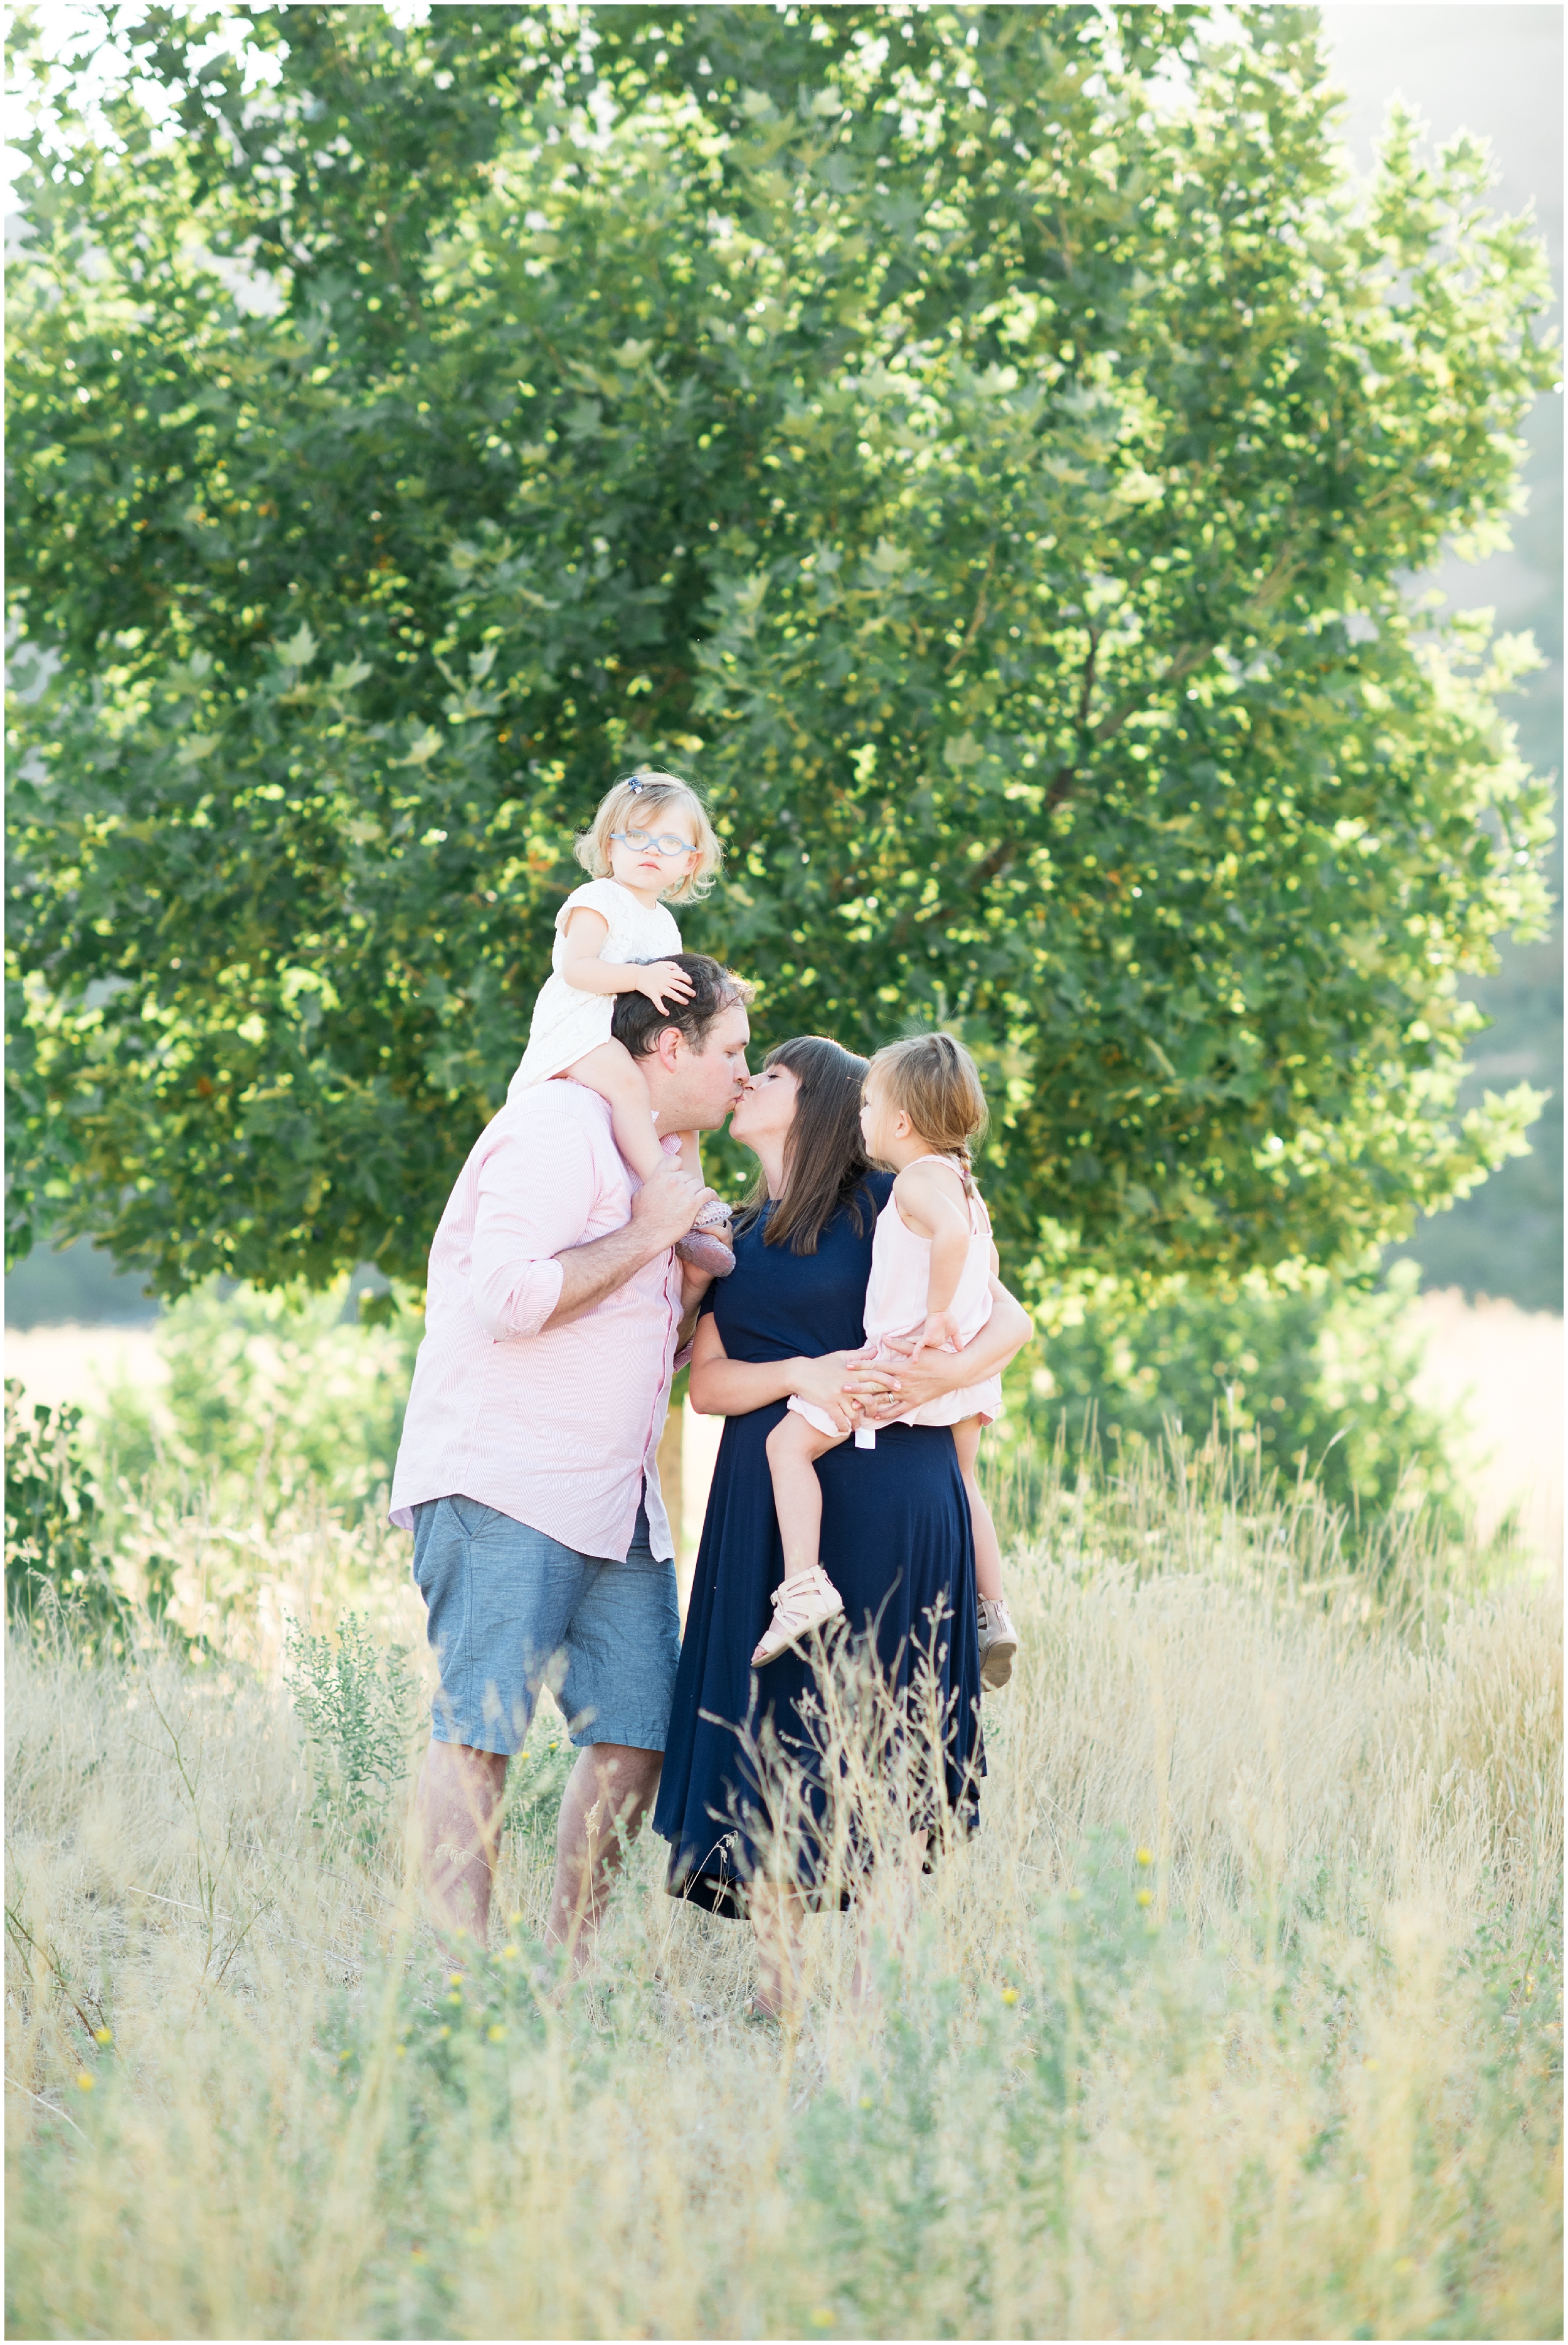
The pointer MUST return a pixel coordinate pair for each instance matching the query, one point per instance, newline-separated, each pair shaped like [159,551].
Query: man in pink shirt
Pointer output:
[526,1471]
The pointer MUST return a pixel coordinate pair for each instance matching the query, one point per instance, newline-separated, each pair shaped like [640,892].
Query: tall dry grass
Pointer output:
[1296,2074]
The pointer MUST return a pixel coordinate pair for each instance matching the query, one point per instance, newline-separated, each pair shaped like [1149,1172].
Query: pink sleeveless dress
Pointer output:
[895,1305]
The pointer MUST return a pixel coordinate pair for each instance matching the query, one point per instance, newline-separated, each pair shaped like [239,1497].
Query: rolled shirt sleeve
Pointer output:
[557,1426]
[524,1217]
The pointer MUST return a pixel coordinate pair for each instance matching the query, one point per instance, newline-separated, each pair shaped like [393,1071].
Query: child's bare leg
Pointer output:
[998,1638]
[805,1599]
[793,1447]
[611,1072]
[987,1545]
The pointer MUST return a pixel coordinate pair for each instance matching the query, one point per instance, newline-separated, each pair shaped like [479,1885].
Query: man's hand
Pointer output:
[667,1204]
[662,1211]
[662,982]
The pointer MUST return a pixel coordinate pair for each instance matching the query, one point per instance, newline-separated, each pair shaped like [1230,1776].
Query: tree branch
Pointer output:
[1181,666]
[978,621]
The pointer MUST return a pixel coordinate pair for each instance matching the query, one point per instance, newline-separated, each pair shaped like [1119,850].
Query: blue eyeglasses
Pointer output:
[665,841]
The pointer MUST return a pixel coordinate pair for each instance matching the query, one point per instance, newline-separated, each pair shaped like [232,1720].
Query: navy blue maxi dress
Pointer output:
[896,1540]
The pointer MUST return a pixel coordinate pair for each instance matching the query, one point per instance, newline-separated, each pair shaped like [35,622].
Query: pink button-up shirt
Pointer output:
[555,1427]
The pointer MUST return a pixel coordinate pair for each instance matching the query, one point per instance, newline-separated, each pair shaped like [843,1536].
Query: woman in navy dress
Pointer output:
[895,1533]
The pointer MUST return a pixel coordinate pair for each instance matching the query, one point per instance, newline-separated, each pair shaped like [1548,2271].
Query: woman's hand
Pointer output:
[830,1383]
[922,1376]
[914,1379]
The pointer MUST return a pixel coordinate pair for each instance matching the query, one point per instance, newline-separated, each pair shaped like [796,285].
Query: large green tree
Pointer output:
[983,446]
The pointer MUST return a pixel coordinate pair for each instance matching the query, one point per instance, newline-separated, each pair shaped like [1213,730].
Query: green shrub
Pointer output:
[1094,1953]
[52,1555]
[535,1781]
[356,1699]
[269,1397]
[1318,1382]
[274,1402]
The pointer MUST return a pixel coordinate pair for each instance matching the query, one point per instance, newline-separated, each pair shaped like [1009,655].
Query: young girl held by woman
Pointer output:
[931,1263]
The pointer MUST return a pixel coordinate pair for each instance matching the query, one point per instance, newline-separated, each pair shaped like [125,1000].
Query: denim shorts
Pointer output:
[511,1611]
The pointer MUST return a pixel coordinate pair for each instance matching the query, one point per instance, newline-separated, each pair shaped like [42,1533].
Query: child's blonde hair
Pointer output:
[936,1083]
[635,803]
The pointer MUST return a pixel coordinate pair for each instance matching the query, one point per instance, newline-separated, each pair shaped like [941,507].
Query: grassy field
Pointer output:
[1241,2017]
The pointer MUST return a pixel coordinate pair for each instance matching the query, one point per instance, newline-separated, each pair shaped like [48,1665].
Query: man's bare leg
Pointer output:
[458,1810]
[607,1795]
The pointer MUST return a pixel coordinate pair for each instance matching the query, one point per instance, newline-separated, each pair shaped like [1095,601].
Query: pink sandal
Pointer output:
[706,1245]
[800,1605]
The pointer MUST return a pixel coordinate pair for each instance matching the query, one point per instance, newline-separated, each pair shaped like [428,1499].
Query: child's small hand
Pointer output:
[941,1327]
[662,978]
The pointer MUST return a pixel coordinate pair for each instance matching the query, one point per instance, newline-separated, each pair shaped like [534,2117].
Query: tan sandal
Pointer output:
[800,1605]
[998,1643]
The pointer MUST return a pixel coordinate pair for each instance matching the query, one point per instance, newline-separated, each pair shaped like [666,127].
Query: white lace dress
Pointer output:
[568,1022]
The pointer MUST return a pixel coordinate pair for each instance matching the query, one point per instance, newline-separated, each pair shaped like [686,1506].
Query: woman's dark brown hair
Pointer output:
[824,1163]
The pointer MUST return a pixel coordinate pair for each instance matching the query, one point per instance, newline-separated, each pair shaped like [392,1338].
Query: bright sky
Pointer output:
[95,53]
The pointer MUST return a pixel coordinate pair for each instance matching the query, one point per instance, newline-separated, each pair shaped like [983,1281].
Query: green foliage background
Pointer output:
[984,446]
[1316,1382]
[56,1569]
[1500,74]
[270,1399]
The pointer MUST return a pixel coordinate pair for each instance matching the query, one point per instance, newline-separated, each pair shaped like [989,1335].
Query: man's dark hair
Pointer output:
[637,1023]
